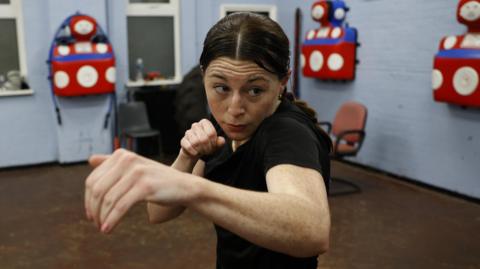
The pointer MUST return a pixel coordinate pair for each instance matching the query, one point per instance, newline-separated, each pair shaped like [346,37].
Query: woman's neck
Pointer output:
[236,144]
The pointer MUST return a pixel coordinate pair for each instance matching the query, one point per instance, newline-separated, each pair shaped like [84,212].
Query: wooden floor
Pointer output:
[388,225]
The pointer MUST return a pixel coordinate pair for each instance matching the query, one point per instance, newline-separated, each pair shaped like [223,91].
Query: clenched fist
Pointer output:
[201,140]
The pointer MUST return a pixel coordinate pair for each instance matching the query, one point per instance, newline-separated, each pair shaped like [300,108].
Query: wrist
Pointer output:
[184,162]
[185,157]
[194,188]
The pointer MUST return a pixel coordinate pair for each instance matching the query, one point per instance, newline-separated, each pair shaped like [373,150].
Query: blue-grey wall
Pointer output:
[407,133]
[30,132]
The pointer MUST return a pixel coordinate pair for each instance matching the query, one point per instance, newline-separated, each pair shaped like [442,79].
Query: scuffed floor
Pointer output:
[387,225]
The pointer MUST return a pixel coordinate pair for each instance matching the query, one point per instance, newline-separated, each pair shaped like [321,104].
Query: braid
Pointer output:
[311,113]
[300,104]
[307,109]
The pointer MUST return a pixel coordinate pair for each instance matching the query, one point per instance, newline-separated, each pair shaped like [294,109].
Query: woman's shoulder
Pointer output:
[290,124]
[285,126]
[282,122]
[287,116]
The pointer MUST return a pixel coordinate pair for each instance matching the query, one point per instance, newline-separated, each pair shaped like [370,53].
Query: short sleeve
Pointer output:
[288,141]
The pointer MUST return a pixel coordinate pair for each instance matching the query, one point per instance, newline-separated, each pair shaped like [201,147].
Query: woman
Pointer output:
[257,169]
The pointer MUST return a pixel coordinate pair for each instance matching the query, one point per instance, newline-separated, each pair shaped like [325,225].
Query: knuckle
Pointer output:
[108,200]
[204,140]
[212,134]
[120,151]
[190,148]
[183,142]
[127,157]
[186,146]
[188,133]
[121,208]
[205,143]
[146,186]
[89,184]
[97,192]
[195,125]
[138,171]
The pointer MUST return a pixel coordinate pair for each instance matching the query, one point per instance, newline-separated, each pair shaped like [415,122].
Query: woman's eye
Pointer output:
[220,89]
[255,91]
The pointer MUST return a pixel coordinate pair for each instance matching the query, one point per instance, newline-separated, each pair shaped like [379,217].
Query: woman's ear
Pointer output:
[284,80]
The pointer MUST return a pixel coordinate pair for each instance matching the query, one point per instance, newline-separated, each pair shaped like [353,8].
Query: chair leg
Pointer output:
[339,186]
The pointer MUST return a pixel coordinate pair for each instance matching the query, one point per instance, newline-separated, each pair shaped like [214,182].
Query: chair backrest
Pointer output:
[132,116]
[350,116]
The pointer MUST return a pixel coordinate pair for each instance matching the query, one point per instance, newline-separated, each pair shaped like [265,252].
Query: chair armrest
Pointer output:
[341,136]
[326,123]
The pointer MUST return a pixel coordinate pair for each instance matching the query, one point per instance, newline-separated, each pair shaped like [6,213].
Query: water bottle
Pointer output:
[139,70]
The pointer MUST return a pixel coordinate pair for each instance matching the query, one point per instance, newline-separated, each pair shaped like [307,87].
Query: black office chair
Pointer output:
[133,124]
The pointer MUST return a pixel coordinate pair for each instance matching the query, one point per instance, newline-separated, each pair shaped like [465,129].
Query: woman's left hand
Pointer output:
[124,178]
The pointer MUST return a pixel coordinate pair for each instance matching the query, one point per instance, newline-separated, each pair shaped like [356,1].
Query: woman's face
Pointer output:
[241,95]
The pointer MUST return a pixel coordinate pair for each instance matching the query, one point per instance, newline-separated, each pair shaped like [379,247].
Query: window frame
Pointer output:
[271,9]
[171,9]
[13,10]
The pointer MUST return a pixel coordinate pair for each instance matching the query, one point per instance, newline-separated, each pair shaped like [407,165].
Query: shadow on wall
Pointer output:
[472,114]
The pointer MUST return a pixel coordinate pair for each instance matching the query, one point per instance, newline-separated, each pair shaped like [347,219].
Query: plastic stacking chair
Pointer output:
[348,134]
[133,124]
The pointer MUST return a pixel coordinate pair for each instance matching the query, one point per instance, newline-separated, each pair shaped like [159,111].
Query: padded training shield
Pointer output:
[329,52]
[456,66]
[81,59]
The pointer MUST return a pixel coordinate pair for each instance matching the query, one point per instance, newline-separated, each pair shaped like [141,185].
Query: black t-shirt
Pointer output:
[288,136]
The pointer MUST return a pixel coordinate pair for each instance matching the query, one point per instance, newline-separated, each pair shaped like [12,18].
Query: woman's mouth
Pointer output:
[235,128]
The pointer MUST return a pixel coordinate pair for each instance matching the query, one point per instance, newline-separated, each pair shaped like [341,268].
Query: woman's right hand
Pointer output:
[201,140]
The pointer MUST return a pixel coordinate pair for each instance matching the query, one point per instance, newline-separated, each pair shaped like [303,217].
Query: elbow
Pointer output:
[312,245]
[316,247]
[322,241]
[323,246]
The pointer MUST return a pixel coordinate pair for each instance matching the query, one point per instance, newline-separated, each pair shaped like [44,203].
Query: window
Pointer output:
[153,42]
[267,10]
[12,50]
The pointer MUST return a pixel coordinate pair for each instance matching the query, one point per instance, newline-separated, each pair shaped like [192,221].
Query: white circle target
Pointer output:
[335,62]
[318,12]
[437,79]
[449,42]
[339,14]
[61,79]
[316,60]
[87,76]
[101,48]
[336,32]
[465,81]
[63,50]
[110,74]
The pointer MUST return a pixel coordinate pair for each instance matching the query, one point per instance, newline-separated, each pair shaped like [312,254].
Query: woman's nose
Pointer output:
[236,106]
